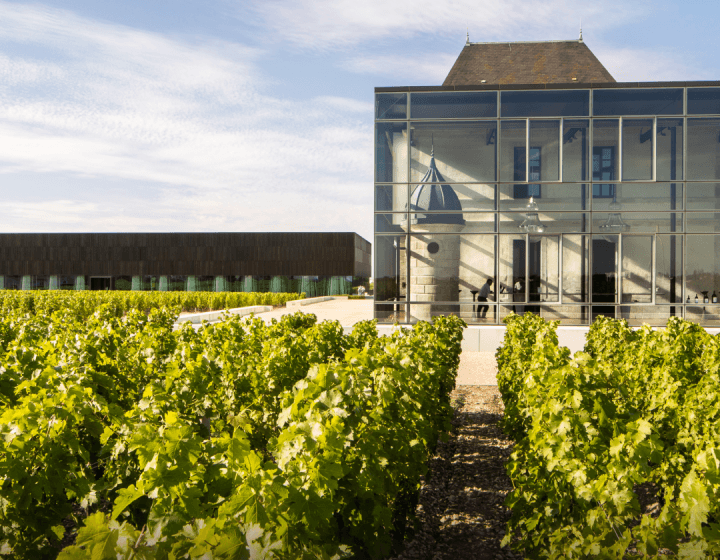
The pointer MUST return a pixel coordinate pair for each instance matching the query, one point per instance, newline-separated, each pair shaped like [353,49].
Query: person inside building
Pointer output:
[483,296]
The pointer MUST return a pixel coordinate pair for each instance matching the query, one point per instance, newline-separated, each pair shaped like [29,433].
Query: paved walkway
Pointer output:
[476,368]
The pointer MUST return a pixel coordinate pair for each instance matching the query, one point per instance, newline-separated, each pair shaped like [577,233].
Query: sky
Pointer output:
[243,115]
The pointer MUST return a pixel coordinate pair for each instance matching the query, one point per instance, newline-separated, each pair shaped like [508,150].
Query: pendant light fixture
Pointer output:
[614,224]
[532,223]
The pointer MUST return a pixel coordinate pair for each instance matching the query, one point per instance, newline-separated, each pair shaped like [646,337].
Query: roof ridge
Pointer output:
[523,42]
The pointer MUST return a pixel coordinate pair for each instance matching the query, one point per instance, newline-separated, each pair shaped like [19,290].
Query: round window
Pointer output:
[433,248]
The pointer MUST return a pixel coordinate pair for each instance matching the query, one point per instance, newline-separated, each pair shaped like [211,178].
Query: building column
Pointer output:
[191,284]
[136,284]
[163,284]
[80,282]
[54,283]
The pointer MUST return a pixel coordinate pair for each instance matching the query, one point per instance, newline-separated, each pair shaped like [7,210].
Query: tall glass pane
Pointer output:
[453,105]
[391,152]
[636,277]
[669,268]
[702,272]
[637,149]
[576,143]
[703,149]
[513,143]
[605,269]
[512,280]
[477,265]
[605,157]
[648,101]
[575,267]
[463,152]
[543,268]
[669,150]
[544,150]
[390,267]
[391,105]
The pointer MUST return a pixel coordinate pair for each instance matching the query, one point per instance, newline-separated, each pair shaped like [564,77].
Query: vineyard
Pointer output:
[617,449]
[125,438]
[82,304]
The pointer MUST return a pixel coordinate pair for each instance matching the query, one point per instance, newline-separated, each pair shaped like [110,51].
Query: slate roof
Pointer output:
[538,62]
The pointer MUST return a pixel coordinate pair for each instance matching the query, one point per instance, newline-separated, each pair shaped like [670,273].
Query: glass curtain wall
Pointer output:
[571,204]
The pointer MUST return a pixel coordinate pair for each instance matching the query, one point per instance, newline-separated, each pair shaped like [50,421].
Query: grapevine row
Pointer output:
[125,438]
[84,303]
[617,451]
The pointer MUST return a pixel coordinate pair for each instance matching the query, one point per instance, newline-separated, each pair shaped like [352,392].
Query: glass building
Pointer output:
[577,196]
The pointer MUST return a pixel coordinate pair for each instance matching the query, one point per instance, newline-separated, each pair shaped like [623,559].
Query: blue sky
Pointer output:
[227,115]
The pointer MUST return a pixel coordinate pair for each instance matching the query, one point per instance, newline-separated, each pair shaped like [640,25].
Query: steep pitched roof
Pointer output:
[539,62]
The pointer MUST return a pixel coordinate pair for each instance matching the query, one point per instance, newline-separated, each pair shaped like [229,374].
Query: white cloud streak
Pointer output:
[189,127]
[326,24]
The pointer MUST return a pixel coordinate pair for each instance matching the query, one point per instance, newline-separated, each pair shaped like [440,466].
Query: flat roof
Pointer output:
[570,85]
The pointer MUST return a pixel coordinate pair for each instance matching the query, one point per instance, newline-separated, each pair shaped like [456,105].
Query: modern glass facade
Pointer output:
[574,202]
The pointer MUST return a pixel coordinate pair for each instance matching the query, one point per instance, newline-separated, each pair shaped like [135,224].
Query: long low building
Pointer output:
[316,263]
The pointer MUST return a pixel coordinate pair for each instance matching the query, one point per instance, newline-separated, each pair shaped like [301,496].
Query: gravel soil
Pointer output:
[461,515]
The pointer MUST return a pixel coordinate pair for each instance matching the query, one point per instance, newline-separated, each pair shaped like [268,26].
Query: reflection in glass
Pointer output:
[669,150]
[703,149]
[702,272]
[465,152]
[654,315]
[474,222]
[703,222]
[553,222]
[636,276]
[643,197]
[575,150]
[559,103]
[391,152]
[575,266]
[641,222]
[668,279]
[637,150]
[390,223]
[703,101]
[566,314]
[605,157]
[707,315]
[391,105]
[703,196]
[453,105]
[666,101]
[467,311]
[390,267]
[476,197]
[555,197]
[512,151]
[391,198]
[544,150]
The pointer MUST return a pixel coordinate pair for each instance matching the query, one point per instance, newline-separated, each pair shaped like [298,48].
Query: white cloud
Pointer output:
[428,69]
[650,65]
[187,127]
[324,24]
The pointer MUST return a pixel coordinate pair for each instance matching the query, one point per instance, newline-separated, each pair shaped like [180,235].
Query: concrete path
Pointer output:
[476,368]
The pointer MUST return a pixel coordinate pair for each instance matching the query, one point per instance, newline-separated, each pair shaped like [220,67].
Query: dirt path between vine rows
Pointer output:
[461,513]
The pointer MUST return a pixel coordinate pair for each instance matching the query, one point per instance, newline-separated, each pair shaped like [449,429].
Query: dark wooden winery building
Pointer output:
[184,261]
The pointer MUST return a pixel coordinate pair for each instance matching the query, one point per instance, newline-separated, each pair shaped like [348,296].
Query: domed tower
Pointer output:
[435,245]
